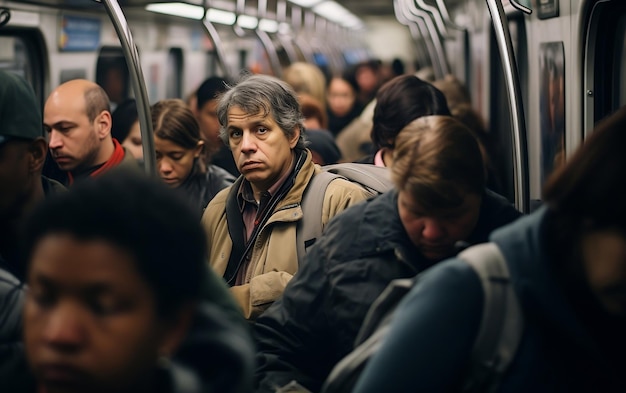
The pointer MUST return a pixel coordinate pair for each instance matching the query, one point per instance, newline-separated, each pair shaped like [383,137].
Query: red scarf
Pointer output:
[115,159]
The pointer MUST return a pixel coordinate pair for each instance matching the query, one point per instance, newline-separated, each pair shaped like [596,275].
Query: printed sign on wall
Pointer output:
[77,34]
[552,106]
[547,8]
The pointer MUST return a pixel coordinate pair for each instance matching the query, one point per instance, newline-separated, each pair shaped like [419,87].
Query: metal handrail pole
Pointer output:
[137,81]
[514,93]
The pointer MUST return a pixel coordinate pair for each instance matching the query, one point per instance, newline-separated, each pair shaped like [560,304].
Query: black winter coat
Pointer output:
[304,334]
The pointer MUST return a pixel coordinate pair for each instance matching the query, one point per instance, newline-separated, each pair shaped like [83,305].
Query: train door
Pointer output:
[500,110]
[22,51]
[605,59]
[112,74]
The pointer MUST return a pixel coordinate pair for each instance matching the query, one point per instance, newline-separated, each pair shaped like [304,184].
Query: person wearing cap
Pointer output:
[77,118]
[22,155]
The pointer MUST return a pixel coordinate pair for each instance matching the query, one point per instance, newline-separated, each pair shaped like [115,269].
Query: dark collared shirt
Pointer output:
[252,211]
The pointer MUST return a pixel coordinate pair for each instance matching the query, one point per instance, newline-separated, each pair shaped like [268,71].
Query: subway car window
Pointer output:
[112,74]
[174,72]
[20,53]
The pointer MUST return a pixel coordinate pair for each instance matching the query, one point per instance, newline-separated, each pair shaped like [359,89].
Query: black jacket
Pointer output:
[14,374]
[304,334]
[200,188]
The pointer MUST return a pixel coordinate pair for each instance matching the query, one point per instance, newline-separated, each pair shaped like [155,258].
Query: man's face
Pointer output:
[73,140]
[435,233]
[90,321]
[209,124]
[15,177]
[260,147]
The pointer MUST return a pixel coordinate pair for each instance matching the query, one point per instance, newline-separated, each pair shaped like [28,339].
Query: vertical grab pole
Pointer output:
[511,76]
[139,86]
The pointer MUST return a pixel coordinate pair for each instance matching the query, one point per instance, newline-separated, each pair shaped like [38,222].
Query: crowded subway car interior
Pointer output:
[196,93]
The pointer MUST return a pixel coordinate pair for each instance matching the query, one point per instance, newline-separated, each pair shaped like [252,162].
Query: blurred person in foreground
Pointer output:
[114,290]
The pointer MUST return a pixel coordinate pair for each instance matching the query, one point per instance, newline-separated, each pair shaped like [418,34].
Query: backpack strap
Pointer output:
[309,228]
[502,320]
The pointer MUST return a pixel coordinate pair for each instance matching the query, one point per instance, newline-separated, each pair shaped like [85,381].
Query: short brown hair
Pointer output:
[437,159]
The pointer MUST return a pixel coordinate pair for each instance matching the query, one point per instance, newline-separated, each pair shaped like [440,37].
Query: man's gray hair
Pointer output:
[266,95]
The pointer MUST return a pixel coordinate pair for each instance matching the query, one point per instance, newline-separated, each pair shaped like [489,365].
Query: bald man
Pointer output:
[77,118]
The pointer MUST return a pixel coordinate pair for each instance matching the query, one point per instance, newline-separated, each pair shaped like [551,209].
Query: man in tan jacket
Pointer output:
[251,226]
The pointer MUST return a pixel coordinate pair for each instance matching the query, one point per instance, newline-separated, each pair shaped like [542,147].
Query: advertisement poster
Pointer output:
[552,106]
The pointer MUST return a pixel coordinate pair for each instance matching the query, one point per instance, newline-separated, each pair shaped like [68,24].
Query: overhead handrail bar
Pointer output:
[285,39]
[520,7]
[302,42]
[270,48]
[443,10]
[441,26]
[514,93]
[413,29]
[417,28]
[267,42]
[211,31]
[434,35]
[217,45]
[417,15]
[137,81]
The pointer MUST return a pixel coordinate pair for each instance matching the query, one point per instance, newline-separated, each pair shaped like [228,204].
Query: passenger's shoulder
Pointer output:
[346,189]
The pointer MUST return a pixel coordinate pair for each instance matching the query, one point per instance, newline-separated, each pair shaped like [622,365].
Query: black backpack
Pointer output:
[496,343]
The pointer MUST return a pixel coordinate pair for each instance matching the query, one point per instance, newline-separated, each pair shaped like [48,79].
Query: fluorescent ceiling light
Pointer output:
[268,25]
[247,21]
[220,16]
[335,12]
[306,3]
[177,9]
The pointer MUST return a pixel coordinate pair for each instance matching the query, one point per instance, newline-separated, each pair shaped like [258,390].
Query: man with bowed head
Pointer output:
[77,118]
[439,201]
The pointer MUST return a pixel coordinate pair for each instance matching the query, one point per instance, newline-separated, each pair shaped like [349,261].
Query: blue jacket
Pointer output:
[306,332]
[433,332]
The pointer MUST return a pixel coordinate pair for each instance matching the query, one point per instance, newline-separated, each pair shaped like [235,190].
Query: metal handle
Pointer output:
[520,7]
[217,45]
[136,78]
[417,15]
[436,16]
[518,129]
[418,30]
[302,42]
[443,10]
[270,49]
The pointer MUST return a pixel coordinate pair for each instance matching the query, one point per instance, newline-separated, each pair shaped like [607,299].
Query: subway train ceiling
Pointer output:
[364,9]
[361,8]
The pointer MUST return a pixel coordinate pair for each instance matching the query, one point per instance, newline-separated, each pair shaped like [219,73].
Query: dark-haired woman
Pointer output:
[179,155]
